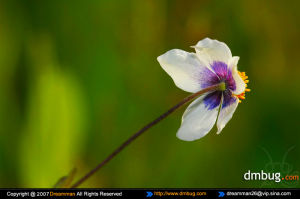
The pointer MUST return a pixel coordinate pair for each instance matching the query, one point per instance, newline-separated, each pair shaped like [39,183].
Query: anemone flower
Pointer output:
[210,73]
[212,64]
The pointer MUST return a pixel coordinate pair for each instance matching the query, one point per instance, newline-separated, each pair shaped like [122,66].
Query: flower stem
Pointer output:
[142,130]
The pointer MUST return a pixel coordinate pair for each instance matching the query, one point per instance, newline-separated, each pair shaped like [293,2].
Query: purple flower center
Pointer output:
[219,74]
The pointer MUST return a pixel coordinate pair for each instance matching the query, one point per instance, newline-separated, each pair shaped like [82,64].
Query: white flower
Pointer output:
[211,64]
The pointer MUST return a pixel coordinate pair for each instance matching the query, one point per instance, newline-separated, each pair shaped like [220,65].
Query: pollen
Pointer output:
[245,79]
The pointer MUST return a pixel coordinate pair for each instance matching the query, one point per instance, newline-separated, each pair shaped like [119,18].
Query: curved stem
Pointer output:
[142,130]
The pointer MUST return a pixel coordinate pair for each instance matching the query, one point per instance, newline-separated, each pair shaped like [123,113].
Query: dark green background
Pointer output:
[77,78]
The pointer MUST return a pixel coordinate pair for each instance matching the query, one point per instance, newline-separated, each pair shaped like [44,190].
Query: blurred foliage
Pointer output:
[78,78]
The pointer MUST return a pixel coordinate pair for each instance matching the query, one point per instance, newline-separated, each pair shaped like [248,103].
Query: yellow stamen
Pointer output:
[244,78]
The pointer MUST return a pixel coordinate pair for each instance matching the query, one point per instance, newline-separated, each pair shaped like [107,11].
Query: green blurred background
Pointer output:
[77,78]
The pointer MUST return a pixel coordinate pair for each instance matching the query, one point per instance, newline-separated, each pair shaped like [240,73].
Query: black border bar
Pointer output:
[151,193]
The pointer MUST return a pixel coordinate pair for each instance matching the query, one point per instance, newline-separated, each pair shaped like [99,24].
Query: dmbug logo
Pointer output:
[288,175]
[276,177]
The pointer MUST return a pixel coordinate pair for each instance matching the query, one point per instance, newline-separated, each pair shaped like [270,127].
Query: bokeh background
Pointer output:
[77,78]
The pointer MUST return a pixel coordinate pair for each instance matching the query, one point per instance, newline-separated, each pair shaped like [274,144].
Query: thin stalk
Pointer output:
[142,130]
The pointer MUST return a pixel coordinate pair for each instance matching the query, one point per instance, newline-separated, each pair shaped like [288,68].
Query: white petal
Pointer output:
[232,64]
[240,84]
[197,120]
[225,115]
[209,50]
[183,67]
